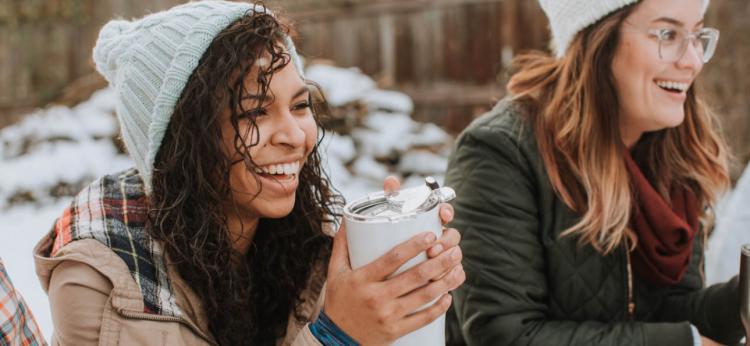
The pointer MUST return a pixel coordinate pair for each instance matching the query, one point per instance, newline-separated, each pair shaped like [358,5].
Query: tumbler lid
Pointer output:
[400,204]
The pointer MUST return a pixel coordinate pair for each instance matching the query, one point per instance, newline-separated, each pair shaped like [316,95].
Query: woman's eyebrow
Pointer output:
[301,91]
[249,96]
[669,21]
[674,21]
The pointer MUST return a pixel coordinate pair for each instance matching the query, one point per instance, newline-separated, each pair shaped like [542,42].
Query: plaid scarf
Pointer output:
[114,210]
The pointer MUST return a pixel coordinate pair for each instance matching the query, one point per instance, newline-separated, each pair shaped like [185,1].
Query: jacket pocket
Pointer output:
[135,335]
[116,331]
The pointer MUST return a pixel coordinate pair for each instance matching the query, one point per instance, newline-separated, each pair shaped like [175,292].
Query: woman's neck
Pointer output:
[629,135]
[242,230]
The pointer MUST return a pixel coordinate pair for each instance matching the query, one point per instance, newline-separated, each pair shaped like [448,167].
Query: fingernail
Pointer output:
[437,249]
[448,214]
[456,253]
[429,238]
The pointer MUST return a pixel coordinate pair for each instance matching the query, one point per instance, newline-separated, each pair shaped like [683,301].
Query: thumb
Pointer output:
[339,255]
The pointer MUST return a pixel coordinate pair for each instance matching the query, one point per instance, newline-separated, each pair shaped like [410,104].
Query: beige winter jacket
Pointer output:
[95,300]
[109,283]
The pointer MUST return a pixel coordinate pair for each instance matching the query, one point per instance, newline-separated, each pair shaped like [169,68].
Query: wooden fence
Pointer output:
[446,54]
[46,44]
[451,56]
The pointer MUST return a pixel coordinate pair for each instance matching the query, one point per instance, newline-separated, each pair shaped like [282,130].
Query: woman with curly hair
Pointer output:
[584,196]
[220,234]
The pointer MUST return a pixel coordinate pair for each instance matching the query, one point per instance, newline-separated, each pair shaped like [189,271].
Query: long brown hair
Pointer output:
[249,301]
[573,110]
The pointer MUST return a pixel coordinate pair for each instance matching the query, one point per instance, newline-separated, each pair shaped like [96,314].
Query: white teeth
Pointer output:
[291,168]
[282,168]
[673,85]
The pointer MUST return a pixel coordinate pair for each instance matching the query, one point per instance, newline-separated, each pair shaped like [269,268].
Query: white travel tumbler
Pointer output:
[378,222]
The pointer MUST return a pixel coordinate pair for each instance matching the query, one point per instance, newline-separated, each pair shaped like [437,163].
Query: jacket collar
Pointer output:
[106,221]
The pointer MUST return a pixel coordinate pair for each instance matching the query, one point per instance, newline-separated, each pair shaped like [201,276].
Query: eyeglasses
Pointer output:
[674,42]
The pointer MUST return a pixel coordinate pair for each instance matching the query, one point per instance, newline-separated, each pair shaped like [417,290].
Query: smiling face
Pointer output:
[285,134]
[651,90]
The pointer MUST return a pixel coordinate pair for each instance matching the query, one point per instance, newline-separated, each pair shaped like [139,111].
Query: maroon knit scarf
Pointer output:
[665,234]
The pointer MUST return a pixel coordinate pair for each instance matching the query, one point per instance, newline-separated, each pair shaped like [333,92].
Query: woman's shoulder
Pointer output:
[506,121]
[92,231]
[503,130]
[105,227]
[498,142]
[112,210]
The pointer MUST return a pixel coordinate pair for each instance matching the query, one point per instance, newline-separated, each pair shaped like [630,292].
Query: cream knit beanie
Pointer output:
[148,62]
[568,17]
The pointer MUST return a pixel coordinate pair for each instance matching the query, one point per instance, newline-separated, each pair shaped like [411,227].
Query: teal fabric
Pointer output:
[328,333]
[526,285]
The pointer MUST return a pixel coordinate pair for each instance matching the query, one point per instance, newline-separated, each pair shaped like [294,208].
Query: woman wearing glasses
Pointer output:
[584,196]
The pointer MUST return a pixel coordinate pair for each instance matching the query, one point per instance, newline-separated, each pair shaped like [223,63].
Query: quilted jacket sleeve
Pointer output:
[504,300]
[714,310]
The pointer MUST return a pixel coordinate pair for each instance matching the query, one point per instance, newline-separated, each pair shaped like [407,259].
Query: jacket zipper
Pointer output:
[631,302]
[161,318]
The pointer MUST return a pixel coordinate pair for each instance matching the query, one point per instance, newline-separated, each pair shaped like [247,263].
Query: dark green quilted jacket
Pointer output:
[526,285]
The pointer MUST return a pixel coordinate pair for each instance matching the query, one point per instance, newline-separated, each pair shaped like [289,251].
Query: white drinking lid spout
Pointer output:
[421,198]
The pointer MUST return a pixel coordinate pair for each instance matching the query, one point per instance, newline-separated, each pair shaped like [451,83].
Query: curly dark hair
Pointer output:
[247,300]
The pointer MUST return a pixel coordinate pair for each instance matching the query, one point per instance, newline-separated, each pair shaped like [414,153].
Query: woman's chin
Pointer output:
[670,119]
[277,211]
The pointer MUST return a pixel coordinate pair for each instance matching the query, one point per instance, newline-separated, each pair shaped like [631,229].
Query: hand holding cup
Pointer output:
[376,304]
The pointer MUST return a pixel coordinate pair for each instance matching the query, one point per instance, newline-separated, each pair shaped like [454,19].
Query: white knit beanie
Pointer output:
[568,17]
[148,62]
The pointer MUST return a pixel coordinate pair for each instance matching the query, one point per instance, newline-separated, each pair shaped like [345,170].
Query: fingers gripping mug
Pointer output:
[379,221]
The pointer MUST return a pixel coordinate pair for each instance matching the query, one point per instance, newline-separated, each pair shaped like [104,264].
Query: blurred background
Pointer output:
[404,77]
[449,56]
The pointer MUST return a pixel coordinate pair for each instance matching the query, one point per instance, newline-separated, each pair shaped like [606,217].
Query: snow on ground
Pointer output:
[341,86]
[53,153]
[389,100]
[21,227]
[58,147]
[381,140]
[42,157]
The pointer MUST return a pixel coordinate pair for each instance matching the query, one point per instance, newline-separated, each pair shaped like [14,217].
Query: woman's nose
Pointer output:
[692,58]
[289,131]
